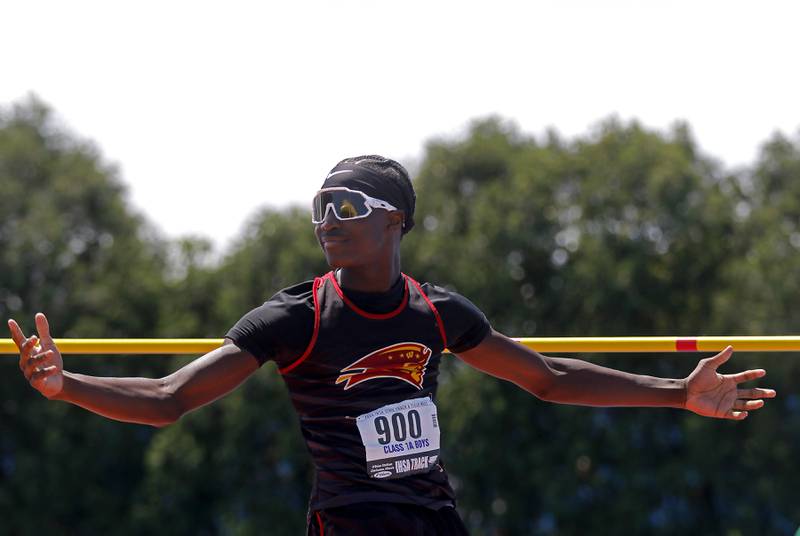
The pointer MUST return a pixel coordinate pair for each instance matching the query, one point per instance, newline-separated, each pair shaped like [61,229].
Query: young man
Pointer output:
[359,349]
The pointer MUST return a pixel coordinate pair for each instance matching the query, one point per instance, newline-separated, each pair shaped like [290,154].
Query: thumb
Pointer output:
[721,357]
[43,327]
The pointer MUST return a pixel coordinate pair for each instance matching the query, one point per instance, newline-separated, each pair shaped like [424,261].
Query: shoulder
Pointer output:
[296,295]
[464,322]
[285,304]
[278,327]
[442,296]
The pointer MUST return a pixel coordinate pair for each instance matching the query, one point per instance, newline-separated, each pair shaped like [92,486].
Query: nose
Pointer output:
[330,221]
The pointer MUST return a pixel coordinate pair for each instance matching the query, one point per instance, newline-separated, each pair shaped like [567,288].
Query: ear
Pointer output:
[396,220]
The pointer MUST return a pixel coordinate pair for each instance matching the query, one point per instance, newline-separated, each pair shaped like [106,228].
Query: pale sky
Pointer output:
[213,109]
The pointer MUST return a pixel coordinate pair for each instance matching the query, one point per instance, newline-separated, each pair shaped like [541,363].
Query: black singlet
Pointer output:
[353,363]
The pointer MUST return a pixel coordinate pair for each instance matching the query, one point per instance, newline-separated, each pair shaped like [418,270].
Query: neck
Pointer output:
[371,278]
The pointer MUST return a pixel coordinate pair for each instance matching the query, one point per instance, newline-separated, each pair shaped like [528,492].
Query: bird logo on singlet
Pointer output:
[405,361]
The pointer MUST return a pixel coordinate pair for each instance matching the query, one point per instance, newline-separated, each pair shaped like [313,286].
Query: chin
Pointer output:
[336,261]
[338,255]
[336,264]
[333,265]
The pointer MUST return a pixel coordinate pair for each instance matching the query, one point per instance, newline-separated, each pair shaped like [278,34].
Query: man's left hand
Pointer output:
[717,395]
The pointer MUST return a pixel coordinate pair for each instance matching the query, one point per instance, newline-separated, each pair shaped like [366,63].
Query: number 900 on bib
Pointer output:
[400,439]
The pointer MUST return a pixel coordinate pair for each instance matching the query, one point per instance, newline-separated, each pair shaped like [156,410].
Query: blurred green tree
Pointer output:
[70,246]
[621,232]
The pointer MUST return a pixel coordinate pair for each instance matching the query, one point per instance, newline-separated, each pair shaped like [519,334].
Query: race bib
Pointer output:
[400,439]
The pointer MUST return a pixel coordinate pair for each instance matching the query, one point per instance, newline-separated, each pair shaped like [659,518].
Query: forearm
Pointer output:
[159,402]
[137,400]
[580,382]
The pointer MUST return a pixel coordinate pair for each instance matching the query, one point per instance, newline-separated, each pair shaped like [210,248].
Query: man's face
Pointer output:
[349,243]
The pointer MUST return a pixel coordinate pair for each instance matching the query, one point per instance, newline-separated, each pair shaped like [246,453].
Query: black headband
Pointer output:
[375,185]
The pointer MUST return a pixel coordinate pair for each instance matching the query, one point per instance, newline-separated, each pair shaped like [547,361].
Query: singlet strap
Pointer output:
[439,322]
[319,522]
[318,281]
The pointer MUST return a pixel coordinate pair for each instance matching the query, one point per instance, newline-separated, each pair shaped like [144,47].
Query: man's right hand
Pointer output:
[39,358]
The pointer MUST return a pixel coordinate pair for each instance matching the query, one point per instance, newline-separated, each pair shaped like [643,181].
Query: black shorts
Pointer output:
[385,519]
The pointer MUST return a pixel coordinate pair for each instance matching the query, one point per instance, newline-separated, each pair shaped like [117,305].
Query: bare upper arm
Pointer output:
[211,376]
[502,357]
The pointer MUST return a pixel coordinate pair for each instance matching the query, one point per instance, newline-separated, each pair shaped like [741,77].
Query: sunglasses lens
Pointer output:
[346,205]
[346,210]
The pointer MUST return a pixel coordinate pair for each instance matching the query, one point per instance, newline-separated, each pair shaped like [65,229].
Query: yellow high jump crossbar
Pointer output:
[540,344]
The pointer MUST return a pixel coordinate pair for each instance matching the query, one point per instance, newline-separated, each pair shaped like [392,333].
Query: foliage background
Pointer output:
[621,231]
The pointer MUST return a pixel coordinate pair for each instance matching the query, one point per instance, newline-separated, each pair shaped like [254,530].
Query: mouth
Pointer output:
[329,239]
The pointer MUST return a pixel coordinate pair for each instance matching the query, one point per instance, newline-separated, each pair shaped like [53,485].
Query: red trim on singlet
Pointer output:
[433,308]
[317,284]
[319,522]
[362,312]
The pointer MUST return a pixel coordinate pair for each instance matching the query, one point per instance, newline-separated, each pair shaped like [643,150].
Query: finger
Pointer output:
[29,345]
[37,361]
[43,373]
[25,351]
[743,405]
[735,415]
[32,365]
[35,371]
[16,333]
[747,375]
[722,357]
[43,327]
[755,393]
[30,370]
[47,354]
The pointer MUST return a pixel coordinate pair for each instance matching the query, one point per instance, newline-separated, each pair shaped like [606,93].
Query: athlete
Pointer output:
[359,349]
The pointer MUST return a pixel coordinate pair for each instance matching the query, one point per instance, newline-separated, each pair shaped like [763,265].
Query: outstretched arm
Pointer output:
[572,381]
[156,402]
